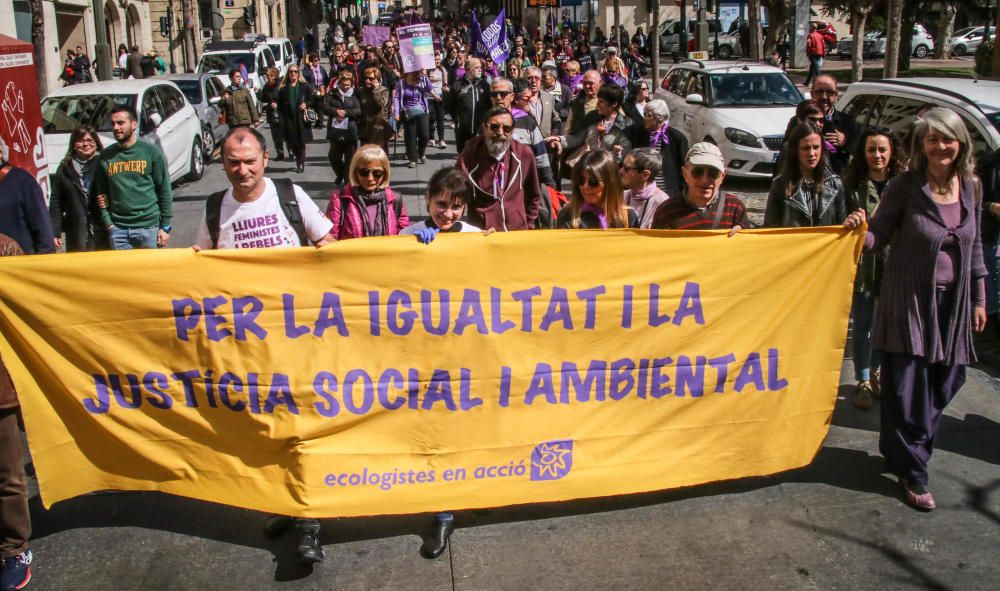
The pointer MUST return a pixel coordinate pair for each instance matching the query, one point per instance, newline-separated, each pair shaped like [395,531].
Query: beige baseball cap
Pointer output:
[706,154]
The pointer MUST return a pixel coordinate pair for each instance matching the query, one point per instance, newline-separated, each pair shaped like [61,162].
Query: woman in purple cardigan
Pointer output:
[933,293]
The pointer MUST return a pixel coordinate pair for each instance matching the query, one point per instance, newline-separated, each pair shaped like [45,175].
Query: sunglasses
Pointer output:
[495,127]
[371,77]
[376,173]
[700,171]
[500,93]
[591,182]
[293,71]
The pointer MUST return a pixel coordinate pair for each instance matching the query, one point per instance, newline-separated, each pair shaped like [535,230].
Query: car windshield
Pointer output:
[222,63]
[62,114]
[753,90]
[191,89]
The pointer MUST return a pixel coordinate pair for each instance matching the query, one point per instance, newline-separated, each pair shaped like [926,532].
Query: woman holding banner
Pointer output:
[410,109]
[597,200]
[933,293]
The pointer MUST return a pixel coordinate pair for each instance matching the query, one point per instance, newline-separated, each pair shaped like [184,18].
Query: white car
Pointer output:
[741,107]
[222,57]
[166,119]
[894,104]
[966,41]
[284,54]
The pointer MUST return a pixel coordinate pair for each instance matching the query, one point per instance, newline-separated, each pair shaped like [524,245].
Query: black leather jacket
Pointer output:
[805,209]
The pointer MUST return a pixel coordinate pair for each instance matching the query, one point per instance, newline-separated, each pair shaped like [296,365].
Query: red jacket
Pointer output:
[514,206]
[815,45]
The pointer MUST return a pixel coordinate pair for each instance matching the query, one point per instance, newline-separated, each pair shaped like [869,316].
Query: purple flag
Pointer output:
[493,41]
[374,35]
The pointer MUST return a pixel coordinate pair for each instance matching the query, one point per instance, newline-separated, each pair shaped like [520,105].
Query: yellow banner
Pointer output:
[383,376]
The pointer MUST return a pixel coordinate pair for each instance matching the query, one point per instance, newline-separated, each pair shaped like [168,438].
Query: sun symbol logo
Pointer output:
[552,460]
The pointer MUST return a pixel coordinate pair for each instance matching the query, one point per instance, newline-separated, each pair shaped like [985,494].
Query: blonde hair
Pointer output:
[950,125]
[572,65]
[602,166]
[364,155]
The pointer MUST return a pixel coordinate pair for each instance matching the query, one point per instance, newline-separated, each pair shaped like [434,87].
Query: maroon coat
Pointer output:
[515,205]
[8,397]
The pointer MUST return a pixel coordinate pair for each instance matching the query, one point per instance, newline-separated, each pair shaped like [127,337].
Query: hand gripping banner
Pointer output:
[384,376]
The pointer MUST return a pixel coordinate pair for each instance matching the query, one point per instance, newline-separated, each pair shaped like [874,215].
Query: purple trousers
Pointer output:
[914,396]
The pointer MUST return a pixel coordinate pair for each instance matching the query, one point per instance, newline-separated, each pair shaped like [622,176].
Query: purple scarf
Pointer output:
[660,135]
[598,212]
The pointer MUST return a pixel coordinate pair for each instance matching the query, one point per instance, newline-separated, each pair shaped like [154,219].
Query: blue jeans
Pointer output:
[129,238]
[864,316]
[992,262]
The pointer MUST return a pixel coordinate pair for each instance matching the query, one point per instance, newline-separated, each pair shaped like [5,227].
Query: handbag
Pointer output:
[310,116]
[413,112]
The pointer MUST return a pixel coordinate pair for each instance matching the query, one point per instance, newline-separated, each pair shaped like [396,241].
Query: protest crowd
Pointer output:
[554,128]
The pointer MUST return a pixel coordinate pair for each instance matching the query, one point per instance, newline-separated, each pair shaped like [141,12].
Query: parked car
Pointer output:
[966,41]
[741,107]
[670,34]
[204,92]
[874,44]
[221,57]
[284,54]
[894,104]
[166,119]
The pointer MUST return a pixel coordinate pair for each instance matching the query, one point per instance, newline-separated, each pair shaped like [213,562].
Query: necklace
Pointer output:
[942,188]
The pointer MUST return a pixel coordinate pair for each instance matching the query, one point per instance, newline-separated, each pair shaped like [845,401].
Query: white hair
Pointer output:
[659,109]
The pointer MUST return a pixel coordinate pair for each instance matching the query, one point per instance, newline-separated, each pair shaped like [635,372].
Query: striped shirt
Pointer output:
[678,214]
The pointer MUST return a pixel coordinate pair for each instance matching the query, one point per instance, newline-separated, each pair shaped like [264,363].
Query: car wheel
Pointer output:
[207,143]
[920,52]
[725,52]
[197,161]
[958,50]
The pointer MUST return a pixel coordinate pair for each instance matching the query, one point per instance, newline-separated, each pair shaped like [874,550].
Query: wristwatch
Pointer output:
[167,229]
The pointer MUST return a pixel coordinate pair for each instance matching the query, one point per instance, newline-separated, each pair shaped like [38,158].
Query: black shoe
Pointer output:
[437,542]
[308,549]
[300,168]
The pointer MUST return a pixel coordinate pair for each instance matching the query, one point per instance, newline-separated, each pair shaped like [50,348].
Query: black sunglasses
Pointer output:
[494,127]
[699,171]
[376,173]
[500,93]
[591,182]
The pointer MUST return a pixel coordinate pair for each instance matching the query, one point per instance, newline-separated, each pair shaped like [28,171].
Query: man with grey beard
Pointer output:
[507,195]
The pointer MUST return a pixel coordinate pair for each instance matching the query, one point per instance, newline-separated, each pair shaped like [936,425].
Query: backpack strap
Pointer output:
[290,207]
[213,213]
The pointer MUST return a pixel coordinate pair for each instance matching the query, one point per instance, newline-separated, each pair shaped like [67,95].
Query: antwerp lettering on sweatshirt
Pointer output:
[127,166]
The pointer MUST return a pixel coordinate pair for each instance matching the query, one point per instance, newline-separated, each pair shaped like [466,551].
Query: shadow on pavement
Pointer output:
[919,577]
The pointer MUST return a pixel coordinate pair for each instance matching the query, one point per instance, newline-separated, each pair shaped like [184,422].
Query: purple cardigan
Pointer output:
[908,220]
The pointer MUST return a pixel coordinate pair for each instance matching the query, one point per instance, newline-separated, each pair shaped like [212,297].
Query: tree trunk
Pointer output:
[753,16]
[187,31]
[618,27]
[38,40]
[891,69]
[654,42]
[778,12]
[859,17]
[942,45]
[906,36]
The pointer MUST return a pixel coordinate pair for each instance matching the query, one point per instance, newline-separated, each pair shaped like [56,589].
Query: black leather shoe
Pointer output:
[437,542]
[308,549]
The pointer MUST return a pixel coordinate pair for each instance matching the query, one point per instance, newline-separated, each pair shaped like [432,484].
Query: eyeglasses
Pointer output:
[500,93]
[700,171]
[591,182]
[495,127]
[371,77]
[644,88]
[376,173]
[86,140]
[293,71]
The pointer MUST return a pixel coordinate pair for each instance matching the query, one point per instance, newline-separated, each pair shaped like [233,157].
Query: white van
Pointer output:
[284,54]
[223,56]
